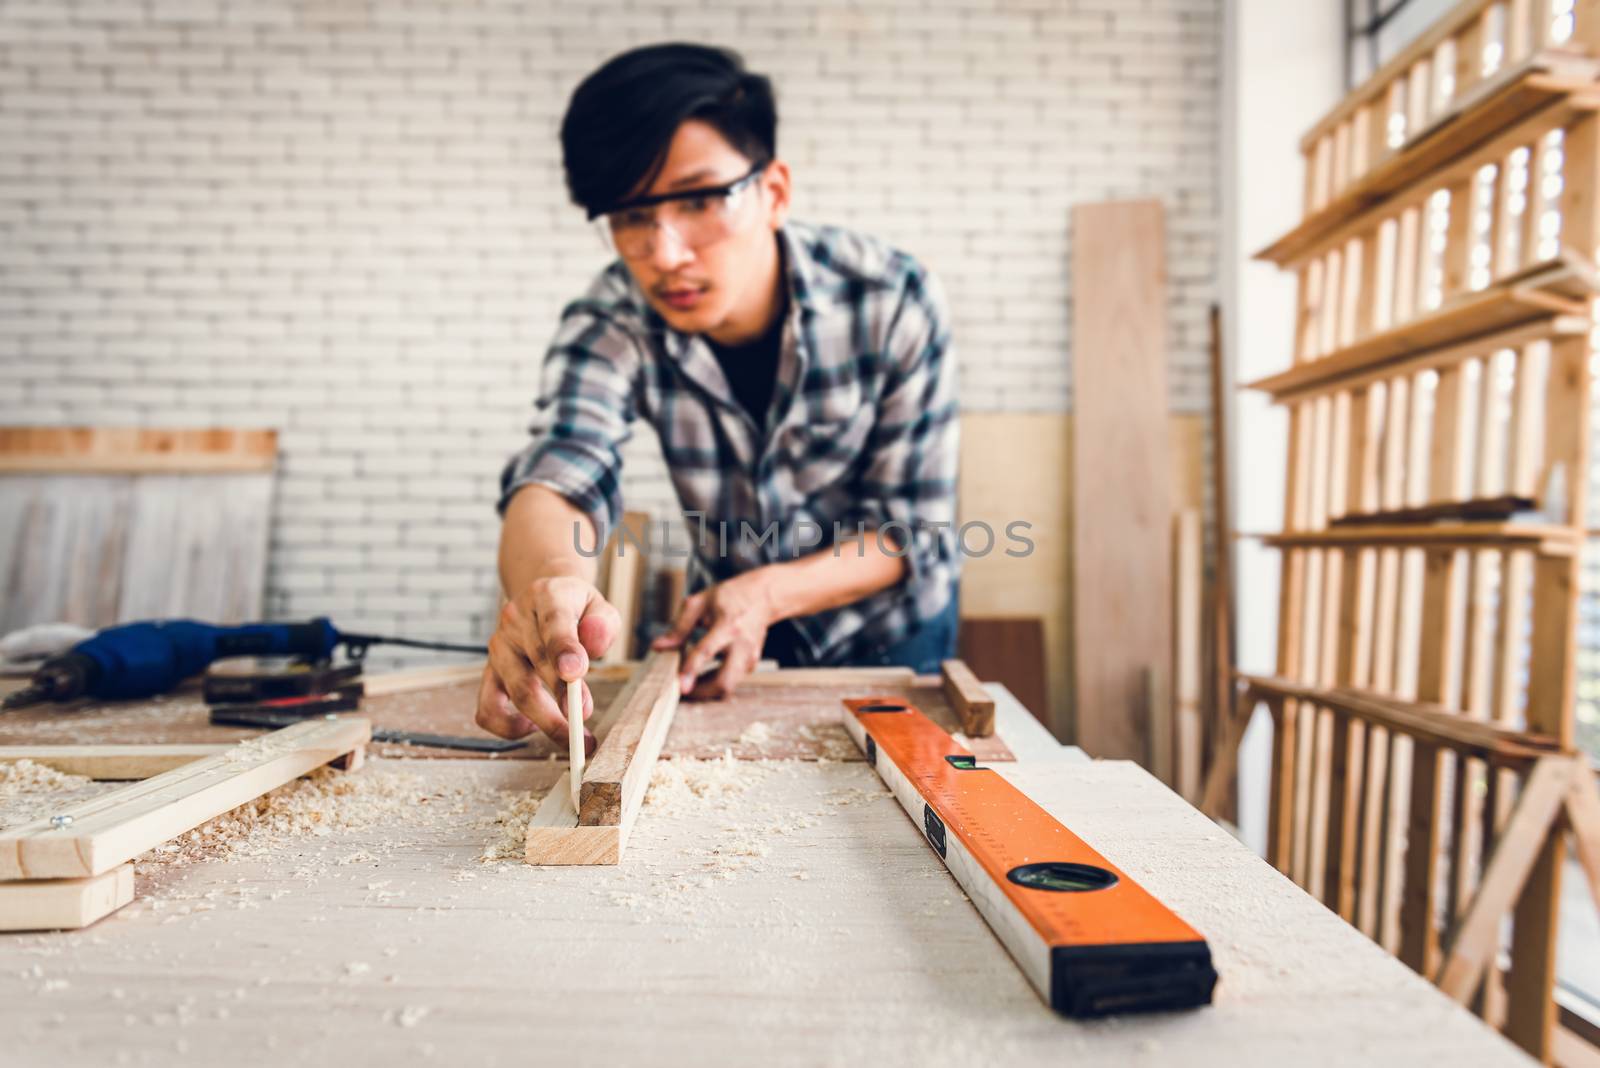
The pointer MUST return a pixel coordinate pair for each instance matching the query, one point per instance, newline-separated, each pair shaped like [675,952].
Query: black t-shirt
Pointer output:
[752,368]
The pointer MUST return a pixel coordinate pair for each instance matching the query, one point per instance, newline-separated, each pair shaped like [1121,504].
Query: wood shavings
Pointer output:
[31,791]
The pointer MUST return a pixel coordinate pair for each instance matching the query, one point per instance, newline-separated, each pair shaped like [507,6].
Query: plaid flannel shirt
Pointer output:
[861,432]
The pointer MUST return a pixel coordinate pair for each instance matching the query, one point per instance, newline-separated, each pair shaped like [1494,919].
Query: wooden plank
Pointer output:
[1583,812]
[129,450]
[614,780]
[1551,540]
[95,836]
[1123,595]
[970,700]
[1220,618]
[1512,860]
[111,762]
[1425,836]
[842,676]
[1489,741]
[1188,725]
[413,680]
[64,904]
[626,568]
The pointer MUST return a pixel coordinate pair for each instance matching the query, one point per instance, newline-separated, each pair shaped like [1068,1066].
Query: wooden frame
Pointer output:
[70,868]
[1424,772]
[631,732]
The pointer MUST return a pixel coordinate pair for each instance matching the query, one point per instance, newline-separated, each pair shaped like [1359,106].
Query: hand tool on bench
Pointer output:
[1091,940]
[143,659]
[279,714]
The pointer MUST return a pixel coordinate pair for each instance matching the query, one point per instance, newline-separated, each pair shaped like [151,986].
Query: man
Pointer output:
[801,381]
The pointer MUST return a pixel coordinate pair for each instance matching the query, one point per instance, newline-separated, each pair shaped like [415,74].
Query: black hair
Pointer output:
[621,118]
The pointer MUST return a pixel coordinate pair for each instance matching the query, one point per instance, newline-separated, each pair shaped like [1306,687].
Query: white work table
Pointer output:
[801,921]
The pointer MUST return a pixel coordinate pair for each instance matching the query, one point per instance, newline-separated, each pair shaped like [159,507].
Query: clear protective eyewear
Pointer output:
[697,217]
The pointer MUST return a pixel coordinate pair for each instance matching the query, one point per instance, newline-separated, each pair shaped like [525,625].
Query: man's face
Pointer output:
[697,289]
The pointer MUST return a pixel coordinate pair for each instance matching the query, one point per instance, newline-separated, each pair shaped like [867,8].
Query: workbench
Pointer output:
[788,913]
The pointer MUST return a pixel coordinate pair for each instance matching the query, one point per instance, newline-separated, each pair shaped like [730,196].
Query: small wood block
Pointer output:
[554,836]
[64,904]
[641,715]
[972,702]
[614,782]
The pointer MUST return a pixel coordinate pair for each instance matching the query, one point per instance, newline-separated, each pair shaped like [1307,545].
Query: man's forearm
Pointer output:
[537,540]
[832,578]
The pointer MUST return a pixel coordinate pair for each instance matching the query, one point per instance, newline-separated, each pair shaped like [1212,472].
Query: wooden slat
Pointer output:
[1441,726]
[111,762]
[1122,560]
[1546,538]
[1188,728]
[1513,859]
[624,760]
[968,697]
[95,836]
[128,450]
[626,565]
[64,904]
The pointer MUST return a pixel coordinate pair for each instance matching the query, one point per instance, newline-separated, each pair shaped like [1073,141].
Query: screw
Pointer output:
[60,821]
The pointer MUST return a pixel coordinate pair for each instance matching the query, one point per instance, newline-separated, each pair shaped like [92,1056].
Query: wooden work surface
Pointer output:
[832,936]
[778,721]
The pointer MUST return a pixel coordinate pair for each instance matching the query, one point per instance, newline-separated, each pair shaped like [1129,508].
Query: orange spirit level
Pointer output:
[1090,940]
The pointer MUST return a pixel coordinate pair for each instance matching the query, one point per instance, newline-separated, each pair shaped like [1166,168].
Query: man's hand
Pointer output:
[736,614]
[545,639]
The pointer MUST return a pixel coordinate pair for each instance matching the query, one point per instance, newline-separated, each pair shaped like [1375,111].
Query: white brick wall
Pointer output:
[346,219]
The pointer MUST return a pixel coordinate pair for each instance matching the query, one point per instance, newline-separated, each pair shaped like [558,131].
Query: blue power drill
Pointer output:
[144,659]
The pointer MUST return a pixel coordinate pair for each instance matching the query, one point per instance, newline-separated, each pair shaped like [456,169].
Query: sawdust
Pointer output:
[30,791]
[325,803]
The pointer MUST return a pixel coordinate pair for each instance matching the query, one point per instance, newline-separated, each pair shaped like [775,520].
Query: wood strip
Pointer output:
[1188,728]
[1221,617]
[128,450]
[1440,726]
[111,762]
[627,564]
[1583,812]
[1530,1012]
[1514,857]
[1548,539]
[95,836]
[64,904]
[423,678]
[967,696]
[626,755]
[1122,559]
[1425,837]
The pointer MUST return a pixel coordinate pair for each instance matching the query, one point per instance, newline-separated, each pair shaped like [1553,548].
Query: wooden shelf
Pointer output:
[1545,80]
[1548,539]
[1554,289]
